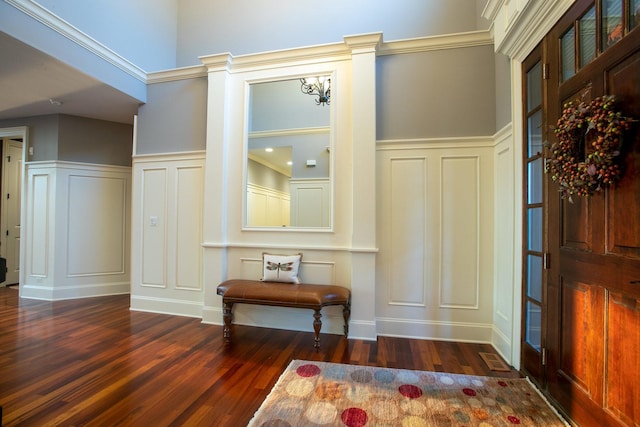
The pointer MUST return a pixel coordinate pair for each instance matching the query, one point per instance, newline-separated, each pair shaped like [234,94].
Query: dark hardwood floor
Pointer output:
[95,362]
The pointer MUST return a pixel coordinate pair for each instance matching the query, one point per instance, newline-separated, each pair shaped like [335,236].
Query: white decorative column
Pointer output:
[215,184]
[363,243]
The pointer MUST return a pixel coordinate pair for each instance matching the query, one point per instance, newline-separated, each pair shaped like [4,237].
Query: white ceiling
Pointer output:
[29,79]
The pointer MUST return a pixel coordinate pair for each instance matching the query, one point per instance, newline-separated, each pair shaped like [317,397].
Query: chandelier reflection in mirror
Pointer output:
[320,86]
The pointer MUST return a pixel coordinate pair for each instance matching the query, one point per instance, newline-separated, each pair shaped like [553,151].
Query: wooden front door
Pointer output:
[592,288]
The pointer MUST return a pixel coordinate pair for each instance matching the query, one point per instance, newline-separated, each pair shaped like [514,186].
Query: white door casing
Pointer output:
[11,200]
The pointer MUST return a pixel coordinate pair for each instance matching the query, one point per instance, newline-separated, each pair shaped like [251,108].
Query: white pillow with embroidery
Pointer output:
[281,268]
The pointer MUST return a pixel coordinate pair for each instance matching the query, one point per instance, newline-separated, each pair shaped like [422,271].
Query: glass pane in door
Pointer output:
[534,137]
[634,19]
[534,277]
[587,27]
[568,54]
[612,23]
[534,184]
[534,236]
[534,325]
[534,86]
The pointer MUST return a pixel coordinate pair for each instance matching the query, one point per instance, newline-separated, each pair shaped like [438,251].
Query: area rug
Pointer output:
[329,394]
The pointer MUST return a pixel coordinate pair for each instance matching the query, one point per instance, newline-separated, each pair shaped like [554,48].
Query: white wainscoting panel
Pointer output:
[505,333]
[154,227]
[310,202]
[96,201]
[267,207]
[435,234]
[407,266]
[78,239]
[459,227]
[39,214]
[189,227]
[167,269]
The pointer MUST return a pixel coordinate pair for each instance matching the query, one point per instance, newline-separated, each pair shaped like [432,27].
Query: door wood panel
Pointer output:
[593,288]
[623,352]
[576,221]
[623,223]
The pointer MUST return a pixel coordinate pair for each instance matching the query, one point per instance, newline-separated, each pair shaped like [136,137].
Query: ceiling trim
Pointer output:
[65,29]
[440,42]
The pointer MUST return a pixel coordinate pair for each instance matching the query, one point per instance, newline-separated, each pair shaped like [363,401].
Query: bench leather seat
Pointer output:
[283,295]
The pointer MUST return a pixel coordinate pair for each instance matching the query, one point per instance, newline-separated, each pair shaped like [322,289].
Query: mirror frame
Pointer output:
[245,151]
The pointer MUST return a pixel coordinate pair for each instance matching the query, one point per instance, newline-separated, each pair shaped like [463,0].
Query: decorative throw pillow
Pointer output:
[280,268]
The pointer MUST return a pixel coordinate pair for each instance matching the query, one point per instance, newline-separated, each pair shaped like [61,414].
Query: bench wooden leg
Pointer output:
[346,313]
[227,316]
[317,324]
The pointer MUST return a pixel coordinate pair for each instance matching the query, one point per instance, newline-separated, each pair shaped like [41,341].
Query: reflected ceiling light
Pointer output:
[268,150]
[320,86]
[55,102]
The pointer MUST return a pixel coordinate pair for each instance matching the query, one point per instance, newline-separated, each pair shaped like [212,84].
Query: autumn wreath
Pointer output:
[581,170]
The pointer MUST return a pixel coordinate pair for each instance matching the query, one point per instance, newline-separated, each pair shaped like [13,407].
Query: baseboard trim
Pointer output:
[432,330]
[48,293]
[166,306]
[502,344]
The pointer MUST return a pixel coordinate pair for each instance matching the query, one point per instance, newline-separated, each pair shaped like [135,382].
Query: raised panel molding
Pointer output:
[97,214]
[39,215]
[153,227]
[310,202]
[576,309]
[311,271]
[426,186]
[408,231]
[77,239]
[189,205]
[459,232]
[623,350]
[506,312]
[168,257]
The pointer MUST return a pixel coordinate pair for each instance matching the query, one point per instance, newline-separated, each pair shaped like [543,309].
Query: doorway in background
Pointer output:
[13,142]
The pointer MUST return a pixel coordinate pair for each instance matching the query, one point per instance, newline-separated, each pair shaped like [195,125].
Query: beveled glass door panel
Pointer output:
[533,215]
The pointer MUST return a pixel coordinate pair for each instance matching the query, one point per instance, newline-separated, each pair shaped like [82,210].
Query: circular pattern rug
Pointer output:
[329,394]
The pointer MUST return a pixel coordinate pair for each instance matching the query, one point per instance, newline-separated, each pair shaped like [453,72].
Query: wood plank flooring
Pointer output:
[93,362]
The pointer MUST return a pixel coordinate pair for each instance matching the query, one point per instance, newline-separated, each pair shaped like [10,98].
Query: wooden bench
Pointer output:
[283,295]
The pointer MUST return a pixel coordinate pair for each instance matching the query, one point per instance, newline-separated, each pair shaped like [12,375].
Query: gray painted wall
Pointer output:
[43,135]
[282,105]
[174,118]
[143,31]
[40,36]
[435,94]
[208,27]
[266,177]
[94,141]
[77,139]
[442,93]
[503,91]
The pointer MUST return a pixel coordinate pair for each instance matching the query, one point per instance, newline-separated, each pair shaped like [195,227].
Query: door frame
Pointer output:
[23,133]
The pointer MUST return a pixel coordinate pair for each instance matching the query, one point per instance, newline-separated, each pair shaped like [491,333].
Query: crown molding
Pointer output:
[364,43]
[183,73]
[519,26]
[443,42]
[73,34]
[344,50]
[278,58]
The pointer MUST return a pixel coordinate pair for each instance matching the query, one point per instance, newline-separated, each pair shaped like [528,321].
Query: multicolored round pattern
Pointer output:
[308,371]
[410,391]
[354,417]
[326,394]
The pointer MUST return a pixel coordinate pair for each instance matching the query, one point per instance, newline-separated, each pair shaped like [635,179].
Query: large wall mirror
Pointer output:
[288,164]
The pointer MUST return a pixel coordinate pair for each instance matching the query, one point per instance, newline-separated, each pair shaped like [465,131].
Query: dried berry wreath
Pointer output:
[581,170]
